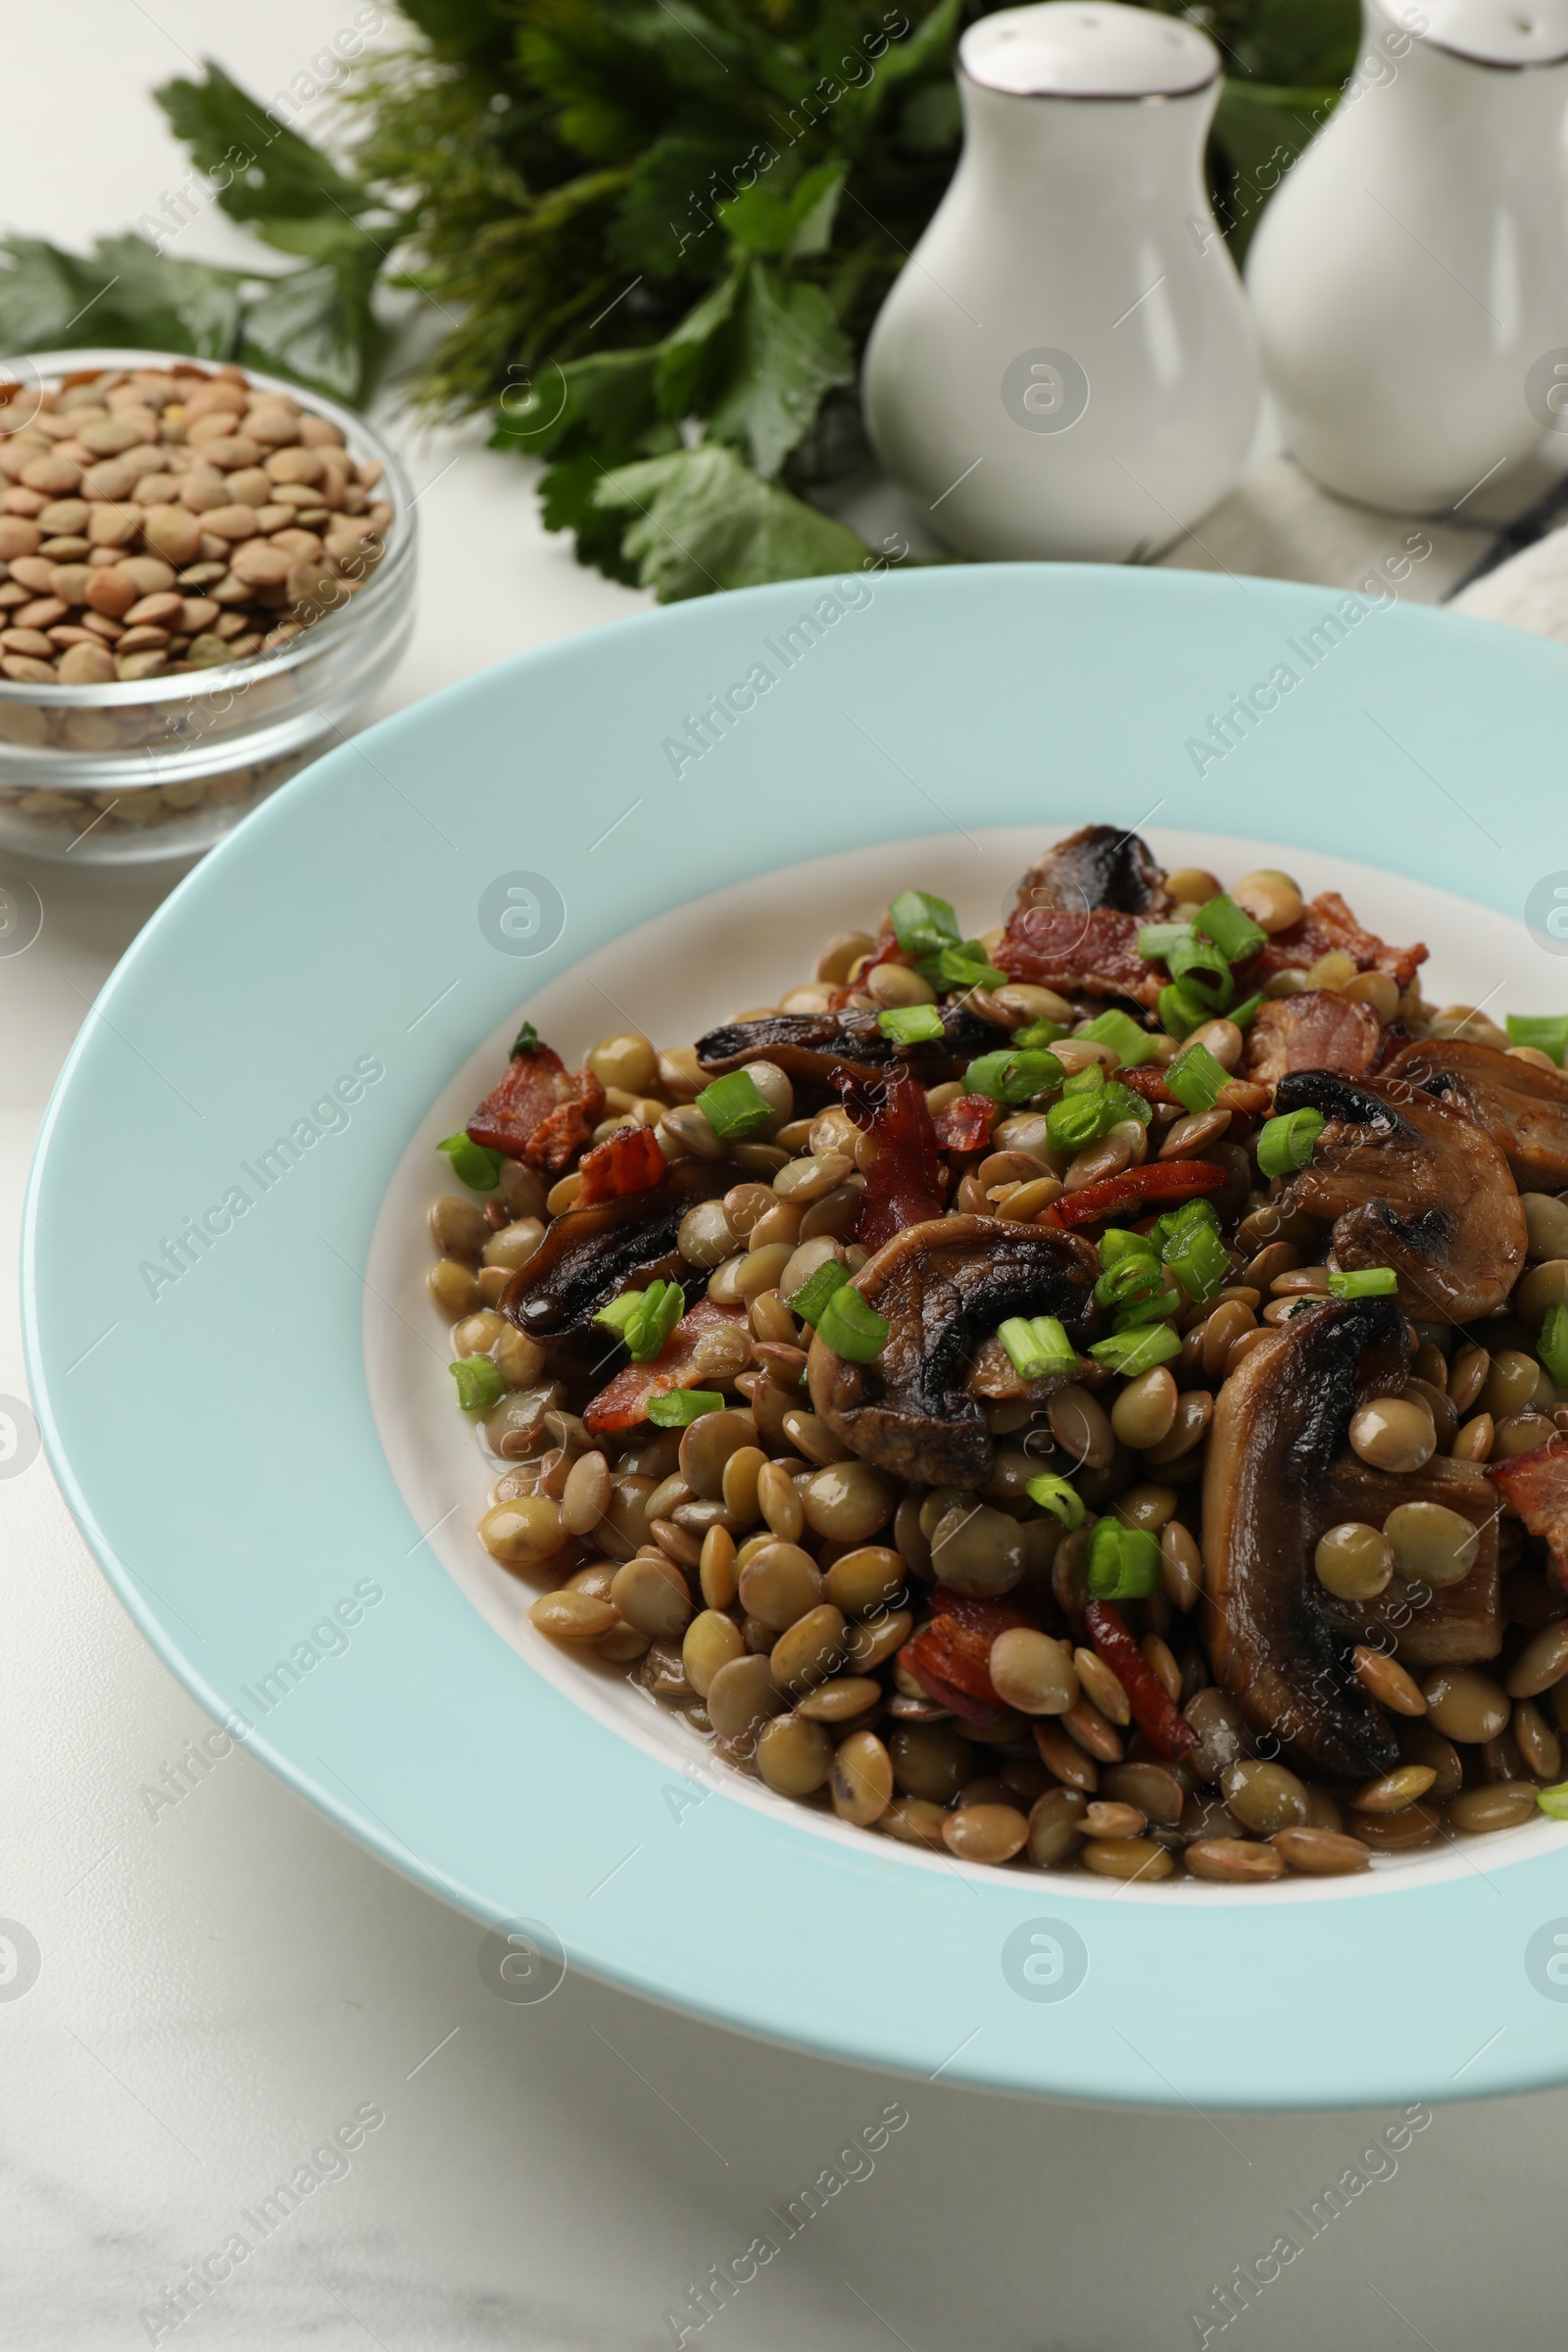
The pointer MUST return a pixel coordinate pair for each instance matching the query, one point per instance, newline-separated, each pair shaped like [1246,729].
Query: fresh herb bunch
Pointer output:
[657,232]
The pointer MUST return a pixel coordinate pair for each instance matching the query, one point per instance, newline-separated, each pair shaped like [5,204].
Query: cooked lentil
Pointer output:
[973,1618]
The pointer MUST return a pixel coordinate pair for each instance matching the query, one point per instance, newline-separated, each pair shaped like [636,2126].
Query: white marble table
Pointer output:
[223,1980]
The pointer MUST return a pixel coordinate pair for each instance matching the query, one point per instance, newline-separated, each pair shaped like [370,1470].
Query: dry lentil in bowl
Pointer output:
[1093,1397]
[203,571]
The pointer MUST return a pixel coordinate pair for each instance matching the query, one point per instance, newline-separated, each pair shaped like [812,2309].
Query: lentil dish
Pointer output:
[1091,1397]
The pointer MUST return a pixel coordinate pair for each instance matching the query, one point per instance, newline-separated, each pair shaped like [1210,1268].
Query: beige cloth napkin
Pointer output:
[1279,524]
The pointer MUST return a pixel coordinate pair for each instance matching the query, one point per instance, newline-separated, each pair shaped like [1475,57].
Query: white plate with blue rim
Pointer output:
[245,1398]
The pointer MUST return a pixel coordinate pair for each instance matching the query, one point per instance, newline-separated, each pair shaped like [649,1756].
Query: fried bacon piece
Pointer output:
[904,1183]
[627,1161]
[1160,1183]
[951,1658]
[1095,954]
[541,1111]
[967,1124]
[1535,1486]
[624,1400]
[1326,923]
[1155,1711]
[1319,1030]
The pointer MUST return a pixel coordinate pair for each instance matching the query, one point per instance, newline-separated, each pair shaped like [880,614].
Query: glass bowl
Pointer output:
[160,767]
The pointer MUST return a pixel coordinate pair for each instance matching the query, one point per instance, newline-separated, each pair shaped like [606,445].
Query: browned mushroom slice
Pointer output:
[944,1287]
[1099,866]
[1412,1185]
[817,1047]
[1523,1108]
[590,1256]
[1452,1625]
[1280,1420]
[1536,1484]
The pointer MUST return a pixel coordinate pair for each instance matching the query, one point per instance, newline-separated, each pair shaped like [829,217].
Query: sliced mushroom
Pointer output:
[1411,1184]
[1100,866]
[944,1287]
[1279,1422]
[1523,1108]
[590,1256]
[820,1047]
[1452,1625]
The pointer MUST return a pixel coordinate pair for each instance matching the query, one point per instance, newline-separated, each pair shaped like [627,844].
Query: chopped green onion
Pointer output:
[682,1407]
[1375,1282]
[814,1293]
[1203,971]
[1170,1232]
[663,1304]
[1159,1308]
[1182,1010]
[1157,940]
[1124,1562]
[1284,1143]
[1136,1275]
[1073,1123]
[1038,1033]
[1012,1078]
[1058,1496]
[1087,1081]
[1197,1079]
[735,1106]
[526,1040]
[1547,1032]
[852,1327]
[1552,1344]
[1554,1800]
[924,925]
[645,1319]
[1131,1043]
[963,967]
[1133,1351]
[1119,1240]
[1231,928]
[1200,1260]
[1242,1015]
[1038,1345]
[910,1025]
[473,1164]
[1122,1103]
[479,1382]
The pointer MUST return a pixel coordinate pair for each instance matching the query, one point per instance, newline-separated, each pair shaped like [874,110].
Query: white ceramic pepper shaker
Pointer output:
[1410,278]
[1065,366]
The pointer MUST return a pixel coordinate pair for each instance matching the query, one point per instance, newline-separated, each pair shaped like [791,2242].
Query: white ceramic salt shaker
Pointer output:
[1410,278]
[1065,366]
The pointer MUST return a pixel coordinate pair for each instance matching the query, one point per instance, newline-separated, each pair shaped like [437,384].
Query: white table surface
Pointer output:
[225,1979]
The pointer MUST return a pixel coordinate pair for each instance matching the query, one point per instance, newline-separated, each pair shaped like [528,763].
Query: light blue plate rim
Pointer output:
[215,1441]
